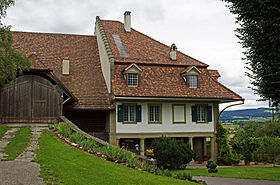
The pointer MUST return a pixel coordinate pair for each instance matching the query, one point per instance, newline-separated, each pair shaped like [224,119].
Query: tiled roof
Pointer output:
[160,76]
[166,81]
[141,48]
[85,82]
[214,73]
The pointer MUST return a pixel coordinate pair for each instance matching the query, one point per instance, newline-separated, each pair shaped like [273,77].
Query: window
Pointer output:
[129,113]
[132,79]
[179,113]
[192,81]
[154,113]
[201,113]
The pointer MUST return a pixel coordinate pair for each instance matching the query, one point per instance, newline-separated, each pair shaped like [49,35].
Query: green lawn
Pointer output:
[265,173]
[3,129]
[66,165]
[18,143]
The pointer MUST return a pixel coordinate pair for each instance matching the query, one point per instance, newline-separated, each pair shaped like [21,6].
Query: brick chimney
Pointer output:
[172,53]
[127,21]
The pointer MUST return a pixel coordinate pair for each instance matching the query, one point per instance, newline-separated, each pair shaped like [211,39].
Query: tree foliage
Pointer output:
[11,62]
[172,153]
[259,34]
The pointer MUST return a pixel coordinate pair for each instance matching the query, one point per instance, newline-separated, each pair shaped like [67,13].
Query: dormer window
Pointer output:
[132,79]
[190,76]
[192,81]
[131,75]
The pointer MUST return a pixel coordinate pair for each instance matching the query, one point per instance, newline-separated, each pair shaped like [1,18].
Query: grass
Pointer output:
[18,143]
[61,164]
[264,173]
[3,129]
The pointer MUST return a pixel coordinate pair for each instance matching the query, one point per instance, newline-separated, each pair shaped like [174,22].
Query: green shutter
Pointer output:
[209,113]
[120,113]
[138,113]
[194,114]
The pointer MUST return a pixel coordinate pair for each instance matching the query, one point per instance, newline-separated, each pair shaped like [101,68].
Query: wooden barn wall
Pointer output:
[31,98]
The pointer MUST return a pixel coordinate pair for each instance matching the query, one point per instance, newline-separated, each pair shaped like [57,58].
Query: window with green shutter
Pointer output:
[120,113]
[129,113]
[201,113]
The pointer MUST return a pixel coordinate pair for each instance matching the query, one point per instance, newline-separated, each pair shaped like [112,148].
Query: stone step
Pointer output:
[26,156]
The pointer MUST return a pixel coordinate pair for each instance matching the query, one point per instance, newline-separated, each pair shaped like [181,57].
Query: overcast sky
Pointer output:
[203,29]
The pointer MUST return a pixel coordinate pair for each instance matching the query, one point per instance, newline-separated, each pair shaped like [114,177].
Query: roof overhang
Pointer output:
[135,98]
[49,73]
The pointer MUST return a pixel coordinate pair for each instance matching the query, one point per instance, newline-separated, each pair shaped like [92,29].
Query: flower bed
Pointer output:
[111,153]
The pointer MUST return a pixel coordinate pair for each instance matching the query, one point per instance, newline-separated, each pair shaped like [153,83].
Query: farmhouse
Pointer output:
[119,85]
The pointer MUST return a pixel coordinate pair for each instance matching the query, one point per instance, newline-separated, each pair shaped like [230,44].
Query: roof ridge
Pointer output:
[47,33]
[104,38]
[157,41]
[40,60]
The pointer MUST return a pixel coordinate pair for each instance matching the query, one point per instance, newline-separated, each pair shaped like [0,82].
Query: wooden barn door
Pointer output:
[30,99]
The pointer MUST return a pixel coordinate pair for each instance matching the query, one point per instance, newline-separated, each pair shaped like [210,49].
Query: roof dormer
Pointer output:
[190,76]
[131,75]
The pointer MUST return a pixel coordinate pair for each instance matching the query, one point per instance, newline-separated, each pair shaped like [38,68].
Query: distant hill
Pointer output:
[233,116]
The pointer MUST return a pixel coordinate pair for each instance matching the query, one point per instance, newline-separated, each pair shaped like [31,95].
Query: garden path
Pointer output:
[234,181]
[5,141]
[21,170]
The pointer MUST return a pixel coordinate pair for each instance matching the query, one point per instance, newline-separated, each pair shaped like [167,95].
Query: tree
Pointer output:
[259,34]
[11,62]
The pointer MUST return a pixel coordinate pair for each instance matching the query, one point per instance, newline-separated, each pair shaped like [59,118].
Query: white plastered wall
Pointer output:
[104,59]
[167,125]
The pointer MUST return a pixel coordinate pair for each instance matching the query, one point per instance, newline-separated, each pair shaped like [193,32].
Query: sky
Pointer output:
[202,29]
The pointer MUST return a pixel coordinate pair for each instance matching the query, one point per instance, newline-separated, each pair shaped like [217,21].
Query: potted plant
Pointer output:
[206,158]
[247,157]
[256,156]
[212,166]
[236,158]
[264,158]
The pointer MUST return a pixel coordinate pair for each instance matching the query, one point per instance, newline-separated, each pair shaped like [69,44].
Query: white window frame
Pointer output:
[201,113]
[132,79]
[154,113]
[192,81]
[129,113]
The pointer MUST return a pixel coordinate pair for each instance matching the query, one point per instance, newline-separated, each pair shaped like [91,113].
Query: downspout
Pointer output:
[218,120]
[229,107]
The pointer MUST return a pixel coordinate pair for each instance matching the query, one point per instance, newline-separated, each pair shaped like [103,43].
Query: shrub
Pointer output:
[184,175]
[236,157]
[171,153]
[77,138]
[208,163]
[212,166]
[224,155]
[89,144]
[63,129]
[271,146]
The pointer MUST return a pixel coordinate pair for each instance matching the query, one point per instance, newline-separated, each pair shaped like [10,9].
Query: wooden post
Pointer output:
[191,142]
[205,146]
